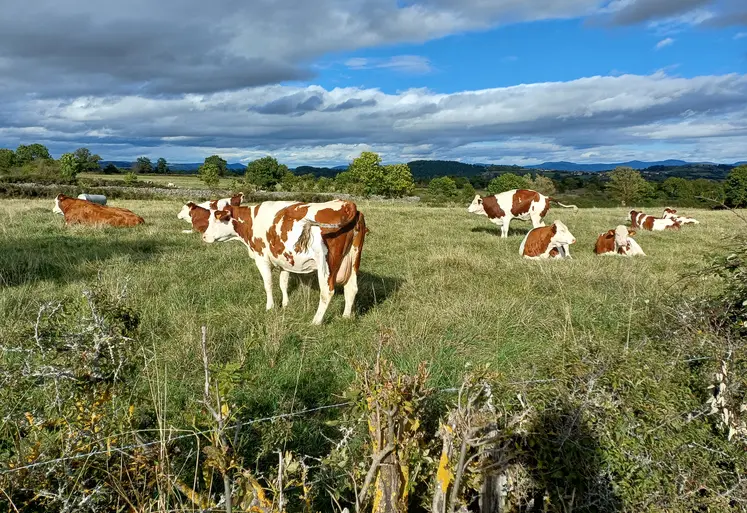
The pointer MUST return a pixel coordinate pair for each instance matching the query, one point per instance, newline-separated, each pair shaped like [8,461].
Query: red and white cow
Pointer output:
[522,204]
[651,223]
[198,216]
[618,242]
[326,238]
[547,242]
[78,211]
[670,213]
[219,204]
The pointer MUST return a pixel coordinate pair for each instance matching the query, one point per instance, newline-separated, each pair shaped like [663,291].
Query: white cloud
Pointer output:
[664,42]
[403,63]
[314,125]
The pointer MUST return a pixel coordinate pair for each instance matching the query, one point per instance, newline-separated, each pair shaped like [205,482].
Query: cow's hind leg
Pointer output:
[325,294]
[350,289]
[266,271]
[504,228]
[284,277]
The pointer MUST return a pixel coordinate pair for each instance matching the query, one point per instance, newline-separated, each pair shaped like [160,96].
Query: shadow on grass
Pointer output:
[495,230]
[63,257]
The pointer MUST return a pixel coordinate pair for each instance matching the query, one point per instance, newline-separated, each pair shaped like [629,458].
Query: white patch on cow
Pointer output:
[624,240]
[184,214]
[56,209]
[476,206]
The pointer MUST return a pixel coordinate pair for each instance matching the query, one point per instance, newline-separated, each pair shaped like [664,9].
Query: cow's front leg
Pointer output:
[325,291]
[284,277]
[265,269]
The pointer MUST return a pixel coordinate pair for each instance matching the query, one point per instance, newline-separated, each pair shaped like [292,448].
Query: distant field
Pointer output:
[441,279]
[182,181]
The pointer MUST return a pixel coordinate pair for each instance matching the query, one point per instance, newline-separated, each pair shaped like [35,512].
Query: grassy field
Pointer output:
[449,289]
[181,181]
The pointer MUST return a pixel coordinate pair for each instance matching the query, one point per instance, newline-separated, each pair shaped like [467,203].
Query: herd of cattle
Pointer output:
[327,237]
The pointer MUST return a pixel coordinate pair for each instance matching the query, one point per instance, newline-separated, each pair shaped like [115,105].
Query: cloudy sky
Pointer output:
[501,81]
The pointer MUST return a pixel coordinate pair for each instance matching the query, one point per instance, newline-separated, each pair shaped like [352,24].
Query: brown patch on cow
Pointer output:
[214,205]
[547,207]
[605,243]
[258,245]
[675,226]
[538,240]
[256,210]
[243,224]
[491,207]
[289,257]
[339,244]
[286,217]
[634,218]
[554,252]
[200,217]
[78,211]
[522,201]
[236,200]
[648,223]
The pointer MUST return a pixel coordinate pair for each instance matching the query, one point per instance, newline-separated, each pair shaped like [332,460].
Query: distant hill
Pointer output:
[635,164]
[188,167]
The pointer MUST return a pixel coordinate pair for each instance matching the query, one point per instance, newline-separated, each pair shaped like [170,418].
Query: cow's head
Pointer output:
[621,236]
[184,212]
[56,209]
[561,235]
[669,210]
[476,207]
[237,199]
[220,226]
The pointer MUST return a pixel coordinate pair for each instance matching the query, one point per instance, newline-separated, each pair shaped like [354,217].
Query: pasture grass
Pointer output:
[181,181]
[449,290]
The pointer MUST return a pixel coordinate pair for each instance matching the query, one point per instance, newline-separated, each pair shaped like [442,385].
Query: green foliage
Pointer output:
[367,176]
[143,165]
[507,182]
[111,169]
[210,174]
[443,188]
[677,188]
[7,159]
[627,185]
[130,178]
[219,162]
[69,166]
[87,161]
[44,168]
[541,184]
[26,154]
[266,172]
[162,167]
[735,187]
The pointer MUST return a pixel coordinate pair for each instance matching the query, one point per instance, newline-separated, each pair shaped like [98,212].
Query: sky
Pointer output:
[317,83]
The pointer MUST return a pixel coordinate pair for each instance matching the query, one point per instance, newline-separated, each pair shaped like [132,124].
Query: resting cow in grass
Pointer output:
[522,204]
[670,213]
[547,242]
[618,242]
[78,211]
[326,238]
[219,204]
[651,223]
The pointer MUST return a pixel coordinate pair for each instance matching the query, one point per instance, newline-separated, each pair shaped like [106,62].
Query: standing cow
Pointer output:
[523,204]
[326,238]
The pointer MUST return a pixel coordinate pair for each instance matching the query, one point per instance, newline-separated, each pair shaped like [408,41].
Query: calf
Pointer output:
[547,242]
[78,211]
[618,242]
[651,223]
[326,238]
[670,213]
[523,204]
[219,204]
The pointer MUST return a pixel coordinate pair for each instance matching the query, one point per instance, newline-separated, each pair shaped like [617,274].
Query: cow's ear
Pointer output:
[610,232]
[631,232]
[222,215]
[191,204]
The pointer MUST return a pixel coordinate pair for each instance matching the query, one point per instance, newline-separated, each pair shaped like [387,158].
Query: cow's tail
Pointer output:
[574,207]
[302,244]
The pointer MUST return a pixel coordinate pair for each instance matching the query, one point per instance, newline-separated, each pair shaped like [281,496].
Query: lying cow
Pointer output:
[618,242]
[219,204]
[523,204]
[651,223]
[547,242]
[326,238]
[670,213]
[78,211]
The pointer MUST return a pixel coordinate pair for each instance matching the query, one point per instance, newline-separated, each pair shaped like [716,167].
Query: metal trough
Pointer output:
[93,198]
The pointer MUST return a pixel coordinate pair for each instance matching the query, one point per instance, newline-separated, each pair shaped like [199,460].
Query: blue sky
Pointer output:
[506,82]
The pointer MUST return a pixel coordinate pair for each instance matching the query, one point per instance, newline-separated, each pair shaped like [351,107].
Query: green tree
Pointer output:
[7,159]
[219,162]
[506,182]
[86,160]
[627,185]
[266,172]
[130,178]
[325,184]
[26,154]
[143,165]
[111,169]
[442,188]
[210,174]
[69,165]
[735,187]
[677,188]
[367,175]
[713,191]
[162,167]
[543,185]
